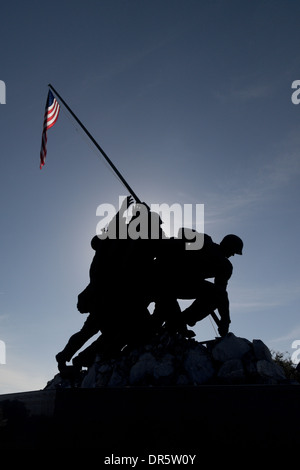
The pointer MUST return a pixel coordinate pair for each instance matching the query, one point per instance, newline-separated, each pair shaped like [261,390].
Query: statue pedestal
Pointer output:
[142,421]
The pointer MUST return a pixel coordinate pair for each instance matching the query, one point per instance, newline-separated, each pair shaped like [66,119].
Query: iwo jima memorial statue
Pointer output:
[135,346]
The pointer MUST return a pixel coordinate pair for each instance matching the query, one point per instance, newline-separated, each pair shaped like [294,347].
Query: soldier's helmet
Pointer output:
[233,244]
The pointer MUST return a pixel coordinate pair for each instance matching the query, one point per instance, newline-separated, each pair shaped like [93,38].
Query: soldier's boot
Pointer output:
[61,361]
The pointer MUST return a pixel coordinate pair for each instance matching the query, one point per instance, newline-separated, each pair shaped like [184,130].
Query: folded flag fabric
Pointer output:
[51,114]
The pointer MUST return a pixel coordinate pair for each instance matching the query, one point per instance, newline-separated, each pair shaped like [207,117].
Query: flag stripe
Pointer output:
[51,114]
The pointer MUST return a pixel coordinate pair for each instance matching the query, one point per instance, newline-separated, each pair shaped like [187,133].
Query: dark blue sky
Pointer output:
[192,102]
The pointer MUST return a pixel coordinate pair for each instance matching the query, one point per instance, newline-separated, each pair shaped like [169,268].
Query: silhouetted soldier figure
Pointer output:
[98,297]
[151,276]
[193,267]
[214,262]
[128,320]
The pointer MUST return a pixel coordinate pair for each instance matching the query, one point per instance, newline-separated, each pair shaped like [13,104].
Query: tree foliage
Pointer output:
[290,369]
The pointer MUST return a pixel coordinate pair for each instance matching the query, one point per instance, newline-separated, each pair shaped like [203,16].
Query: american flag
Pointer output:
[50,118]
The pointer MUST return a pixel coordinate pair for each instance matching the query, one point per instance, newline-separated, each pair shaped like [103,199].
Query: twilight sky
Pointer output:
[192,101]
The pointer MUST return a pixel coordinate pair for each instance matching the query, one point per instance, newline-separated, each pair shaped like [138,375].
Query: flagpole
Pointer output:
[98,146]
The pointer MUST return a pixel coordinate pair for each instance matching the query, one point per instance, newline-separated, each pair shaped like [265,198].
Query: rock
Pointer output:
[198,366]
[55,383]
[261,351]
[230,347]
[170,360]
[89,380]
[270,372]
[117,379]
[64,381]
[250,369]
[164,369]
[232,371]
[142,368]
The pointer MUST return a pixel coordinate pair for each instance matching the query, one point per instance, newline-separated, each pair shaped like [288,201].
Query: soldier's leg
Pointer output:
[206,301]
[196,312]
[87,357]
[167,310]
[76,341]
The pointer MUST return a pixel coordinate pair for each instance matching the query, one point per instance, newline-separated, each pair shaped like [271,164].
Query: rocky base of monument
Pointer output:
[173,360]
